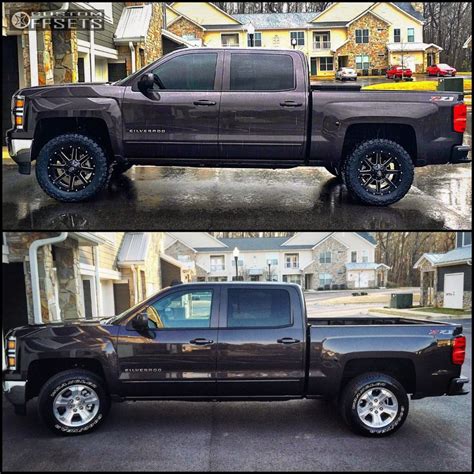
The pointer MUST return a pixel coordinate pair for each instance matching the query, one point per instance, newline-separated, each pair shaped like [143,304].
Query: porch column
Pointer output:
[422,289]
[65,56]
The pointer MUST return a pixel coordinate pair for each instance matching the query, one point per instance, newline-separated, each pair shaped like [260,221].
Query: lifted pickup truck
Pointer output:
[232,341]
[233,108]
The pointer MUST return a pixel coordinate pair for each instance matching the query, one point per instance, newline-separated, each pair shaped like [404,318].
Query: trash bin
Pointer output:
[451,84]
[401,300]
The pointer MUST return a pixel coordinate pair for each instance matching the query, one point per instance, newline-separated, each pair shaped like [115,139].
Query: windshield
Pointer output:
[443,66]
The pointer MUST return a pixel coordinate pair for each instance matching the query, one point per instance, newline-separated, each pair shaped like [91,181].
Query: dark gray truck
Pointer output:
[233,108]
[232,341]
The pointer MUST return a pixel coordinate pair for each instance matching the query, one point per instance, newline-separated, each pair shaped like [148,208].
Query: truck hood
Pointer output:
[81,89]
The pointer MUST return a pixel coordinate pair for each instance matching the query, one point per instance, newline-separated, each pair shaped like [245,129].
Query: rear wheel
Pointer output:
[72,168]
[378,172]
[73,402]
[374,404]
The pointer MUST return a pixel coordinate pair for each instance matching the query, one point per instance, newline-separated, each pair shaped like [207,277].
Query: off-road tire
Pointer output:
[356,388]
[61,381]
[103,168]
[350,171]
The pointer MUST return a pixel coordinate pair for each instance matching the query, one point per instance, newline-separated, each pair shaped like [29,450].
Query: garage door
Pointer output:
[453,290]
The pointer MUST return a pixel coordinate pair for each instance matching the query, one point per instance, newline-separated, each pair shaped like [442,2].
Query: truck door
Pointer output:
[261,349]
[178,118]
[263,106]
[177,355]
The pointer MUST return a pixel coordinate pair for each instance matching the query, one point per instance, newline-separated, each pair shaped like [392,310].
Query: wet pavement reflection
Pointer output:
[168,198]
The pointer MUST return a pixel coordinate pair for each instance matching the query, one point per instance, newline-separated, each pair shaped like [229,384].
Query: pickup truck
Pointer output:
[233,108]
[232,341]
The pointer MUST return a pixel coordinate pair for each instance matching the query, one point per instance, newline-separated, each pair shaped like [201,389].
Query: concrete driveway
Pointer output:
[301,435]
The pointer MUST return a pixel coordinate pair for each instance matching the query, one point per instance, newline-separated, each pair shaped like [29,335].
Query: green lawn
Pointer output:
[451,311]
[414,86]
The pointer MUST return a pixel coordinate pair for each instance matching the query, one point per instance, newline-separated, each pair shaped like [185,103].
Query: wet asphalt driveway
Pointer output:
[300,435]
[152,198]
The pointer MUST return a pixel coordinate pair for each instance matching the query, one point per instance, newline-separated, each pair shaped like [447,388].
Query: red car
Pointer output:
[441,70]
[398,72]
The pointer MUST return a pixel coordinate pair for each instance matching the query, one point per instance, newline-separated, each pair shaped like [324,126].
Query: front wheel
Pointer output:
[374,404]
[72,168]
[378,172]
[73,402]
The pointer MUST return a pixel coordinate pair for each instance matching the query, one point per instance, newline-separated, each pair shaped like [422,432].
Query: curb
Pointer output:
[417,314]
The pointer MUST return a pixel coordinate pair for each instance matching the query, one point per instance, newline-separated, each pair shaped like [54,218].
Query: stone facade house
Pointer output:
[81,275]
[446,278]
[314,260]
[368,36]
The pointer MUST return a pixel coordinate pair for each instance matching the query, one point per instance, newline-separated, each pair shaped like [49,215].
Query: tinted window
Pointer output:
[258,308]
[190,309]
[194,72]
[260,72]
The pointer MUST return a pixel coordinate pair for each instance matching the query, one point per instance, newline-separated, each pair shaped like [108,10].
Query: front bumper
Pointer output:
[15,391]
[20,151]
[456,386]
[459,154]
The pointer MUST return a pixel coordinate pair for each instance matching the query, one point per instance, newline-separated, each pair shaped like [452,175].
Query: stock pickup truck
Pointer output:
[232,341]
[233,108]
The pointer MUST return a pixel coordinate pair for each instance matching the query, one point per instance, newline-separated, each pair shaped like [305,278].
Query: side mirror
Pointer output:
[140,322]
[146,82]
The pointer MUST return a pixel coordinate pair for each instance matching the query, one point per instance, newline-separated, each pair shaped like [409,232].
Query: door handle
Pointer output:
[204,102]
[201,341]
[290,103]
[287,340]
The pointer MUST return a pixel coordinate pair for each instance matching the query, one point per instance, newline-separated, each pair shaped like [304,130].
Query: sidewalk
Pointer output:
[410,313]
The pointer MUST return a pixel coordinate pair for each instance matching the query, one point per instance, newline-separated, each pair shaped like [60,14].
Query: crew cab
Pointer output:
[233,108]
[227,342]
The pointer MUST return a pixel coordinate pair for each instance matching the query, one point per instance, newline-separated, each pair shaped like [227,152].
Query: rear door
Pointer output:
[179,117]
[261,342]
[177,355]
[263,106]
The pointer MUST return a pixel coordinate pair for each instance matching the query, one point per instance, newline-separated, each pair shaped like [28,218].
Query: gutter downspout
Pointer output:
[135,287]
[132,52]
[35,287]
[98,293]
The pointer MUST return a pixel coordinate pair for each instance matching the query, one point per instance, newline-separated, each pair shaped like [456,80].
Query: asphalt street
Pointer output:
[305,435]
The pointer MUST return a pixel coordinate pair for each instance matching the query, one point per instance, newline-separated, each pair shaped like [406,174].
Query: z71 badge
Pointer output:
[441,98]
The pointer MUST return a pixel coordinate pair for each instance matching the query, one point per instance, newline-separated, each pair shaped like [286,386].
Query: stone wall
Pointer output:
[467,299]
[182,26]
[153,47]
[337,266]
[65,56]
[376,48]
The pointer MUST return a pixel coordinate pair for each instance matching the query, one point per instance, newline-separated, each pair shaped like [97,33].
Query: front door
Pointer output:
[261,351]
[176,356]
[453,290]
[264,106]
[178,118]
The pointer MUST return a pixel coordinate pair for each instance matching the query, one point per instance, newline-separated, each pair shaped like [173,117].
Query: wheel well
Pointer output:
[402,134]
[401,369]
[40,371]
[95,128]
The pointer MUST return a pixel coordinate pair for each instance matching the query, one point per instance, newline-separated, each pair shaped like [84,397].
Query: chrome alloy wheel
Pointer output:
[380,173]
[377,407]
[76,405]
[71,168]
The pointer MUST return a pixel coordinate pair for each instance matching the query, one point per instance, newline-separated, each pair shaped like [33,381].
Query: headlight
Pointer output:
[11,353]
[18,111]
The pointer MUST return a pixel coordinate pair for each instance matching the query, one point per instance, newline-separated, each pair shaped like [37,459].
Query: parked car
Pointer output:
[441,70]
[398,72]
[207,107]
[238,341]
[346,74]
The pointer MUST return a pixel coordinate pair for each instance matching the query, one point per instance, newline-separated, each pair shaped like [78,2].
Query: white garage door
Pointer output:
[409,62]
[453,290]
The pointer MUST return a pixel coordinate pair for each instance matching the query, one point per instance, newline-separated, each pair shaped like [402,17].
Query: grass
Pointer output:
[451,311]
[371,298]
[414,86]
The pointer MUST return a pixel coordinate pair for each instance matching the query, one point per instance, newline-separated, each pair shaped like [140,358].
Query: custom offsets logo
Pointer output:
[58,20]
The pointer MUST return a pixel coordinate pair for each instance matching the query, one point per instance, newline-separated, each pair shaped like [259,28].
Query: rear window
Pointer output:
[261,72]
[258,308]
